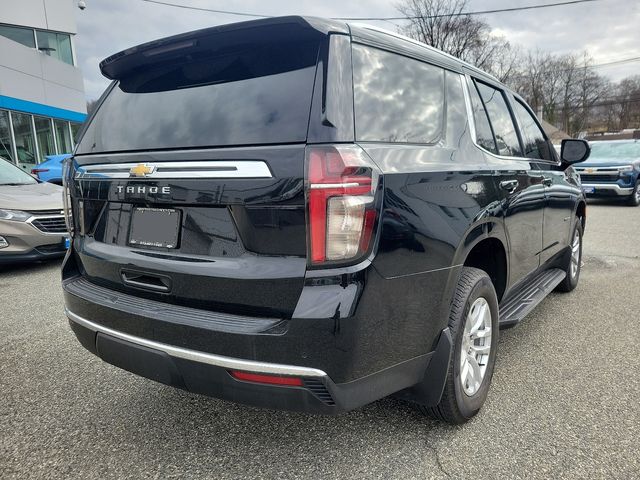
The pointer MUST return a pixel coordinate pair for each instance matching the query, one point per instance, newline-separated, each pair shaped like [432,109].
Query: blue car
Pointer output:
[51,169]
[613,171]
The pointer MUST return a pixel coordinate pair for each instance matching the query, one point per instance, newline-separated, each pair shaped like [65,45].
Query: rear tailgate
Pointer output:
[189,180]
[241,243]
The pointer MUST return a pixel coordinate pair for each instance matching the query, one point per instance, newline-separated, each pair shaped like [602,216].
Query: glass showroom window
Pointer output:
[5,137]
[25,146]
[57,45]
[44,134]
[75,127]
[19,34]
[63,136]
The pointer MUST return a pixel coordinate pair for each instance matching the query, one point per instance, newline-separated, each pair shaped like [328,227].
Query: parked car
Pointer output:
[308,215]
[613,171]
[32,225]
[51,169]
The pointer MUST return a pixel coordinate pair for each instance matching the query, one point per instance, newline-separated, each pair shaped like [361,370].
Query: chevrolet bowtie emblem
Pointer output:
[141,170]
[589,170]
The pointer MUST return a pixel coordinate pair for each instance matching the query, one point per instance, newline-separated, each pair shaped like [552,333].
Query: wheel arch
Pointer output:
[581,213]
[485,246]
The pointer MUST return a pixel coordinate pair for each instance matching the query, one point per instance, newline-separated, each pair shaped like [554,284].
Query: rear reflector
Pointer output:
[266,379]
[342,182]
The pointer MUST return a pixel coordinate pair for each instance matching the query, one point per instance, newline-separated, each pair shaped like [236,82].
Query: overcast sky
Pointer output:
[608,29]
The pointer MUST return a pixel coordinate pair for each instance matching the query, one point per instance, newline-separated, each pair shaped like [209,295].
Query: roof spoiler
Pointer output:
[210,40]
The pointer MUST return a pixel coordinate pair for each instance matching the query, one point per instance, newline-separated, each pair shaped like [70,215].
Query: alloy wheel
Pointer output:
[575,254]
[476,346]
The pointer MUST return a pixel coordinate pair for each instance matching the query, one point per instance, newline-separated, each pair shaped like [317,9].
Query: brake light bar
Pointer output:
[342,182]
[266,379]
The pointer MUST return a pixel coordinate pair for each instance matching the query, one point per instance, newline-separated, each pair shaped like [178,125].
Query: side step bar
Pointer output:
[528,296]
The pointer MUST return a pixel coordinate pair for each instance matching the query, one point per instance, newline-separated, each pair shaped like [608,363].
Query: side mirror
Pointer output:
[574,151]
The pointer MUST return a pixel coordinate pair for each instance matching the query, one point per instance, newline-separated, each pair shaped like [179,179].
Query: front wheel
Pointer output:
[473,322]
[634,199]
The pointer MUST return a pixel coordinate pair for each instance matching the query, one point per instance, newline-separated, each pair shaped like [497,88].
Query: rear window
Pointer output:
[397,99]
[254,94]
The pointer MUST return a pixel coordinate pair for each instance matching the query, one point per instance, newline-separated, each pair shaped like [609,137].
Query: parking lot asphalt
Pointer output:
[563,404]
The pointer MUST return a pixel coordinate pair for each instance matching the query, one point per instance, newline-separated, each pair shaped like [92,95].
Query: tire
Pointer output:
[573,263]
[634,198]
[460,402]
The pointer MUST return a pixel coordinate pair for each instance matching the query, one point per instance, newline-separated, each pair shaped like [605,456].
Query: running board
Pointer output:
[528,296]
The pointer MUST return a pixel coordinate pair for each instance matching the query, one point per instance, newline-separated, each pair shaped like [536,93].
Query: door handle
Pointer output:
[509,185]
[547,181]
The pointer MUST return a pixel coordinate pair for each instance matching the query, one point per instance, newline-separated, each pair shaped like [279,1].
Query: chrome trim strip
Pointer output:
[202,357]
[614,187]
[168,170]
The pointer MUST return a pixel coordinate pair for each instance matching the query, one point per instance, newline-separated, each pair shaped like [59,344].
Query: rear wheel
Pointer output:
[473,322]
[573,264]
[634,198]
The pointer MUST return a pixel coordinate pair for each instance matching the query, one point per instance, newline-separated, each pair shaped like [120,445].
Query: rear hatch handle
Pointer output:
[145,280]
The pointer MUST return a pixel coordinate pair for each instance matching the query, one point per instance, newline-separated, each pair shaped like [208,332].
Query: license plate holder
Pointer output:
[154,227]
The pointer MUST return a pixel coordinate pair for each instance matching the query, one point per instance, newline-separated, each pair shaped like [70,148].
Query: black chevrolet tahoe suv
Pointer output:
[303,214]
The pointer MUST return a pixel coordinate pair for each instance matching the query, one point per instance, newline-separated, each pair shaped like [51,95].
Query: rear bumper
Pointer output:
[209,374]
[355,337]
[607,189]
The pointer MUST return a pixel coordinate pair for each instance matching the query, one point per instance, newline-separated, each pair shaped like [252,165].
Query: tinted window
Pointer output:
[63,136]
[535,144]
[44,136]
[503,128]
[260,94]
[57,45]
[18,34]
[397,99]
[25,145]
[484,135]
[5,137]
[75,128]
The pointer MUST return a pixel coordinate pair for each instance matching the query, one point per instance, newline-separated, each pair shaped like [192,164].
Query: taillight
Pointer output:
[341,188]
[66,196]
[36,171]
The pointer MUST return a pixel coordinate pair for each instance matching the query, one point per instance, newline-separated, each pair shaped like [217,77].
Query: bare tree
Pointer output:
[628,94]
[443,25]
[565,88]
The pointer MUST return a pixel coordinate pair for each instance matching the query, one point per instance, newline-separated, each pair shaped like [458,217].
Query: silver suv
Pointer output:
[32,225]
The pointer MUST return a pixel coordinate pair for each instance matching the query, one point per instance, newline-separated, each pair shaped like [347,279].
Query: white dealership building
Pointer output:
[42,102]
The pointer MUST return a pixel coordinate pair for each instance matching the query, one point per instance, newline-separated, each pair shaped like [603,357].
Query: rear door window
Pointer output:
[504,130]
[397,99]
[484,133]
[250,94]
[535,142]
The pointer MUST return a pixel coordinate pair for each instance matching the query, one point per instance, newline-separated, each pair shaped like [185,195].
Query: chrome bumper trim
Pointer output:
[613,187]
[202,357]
